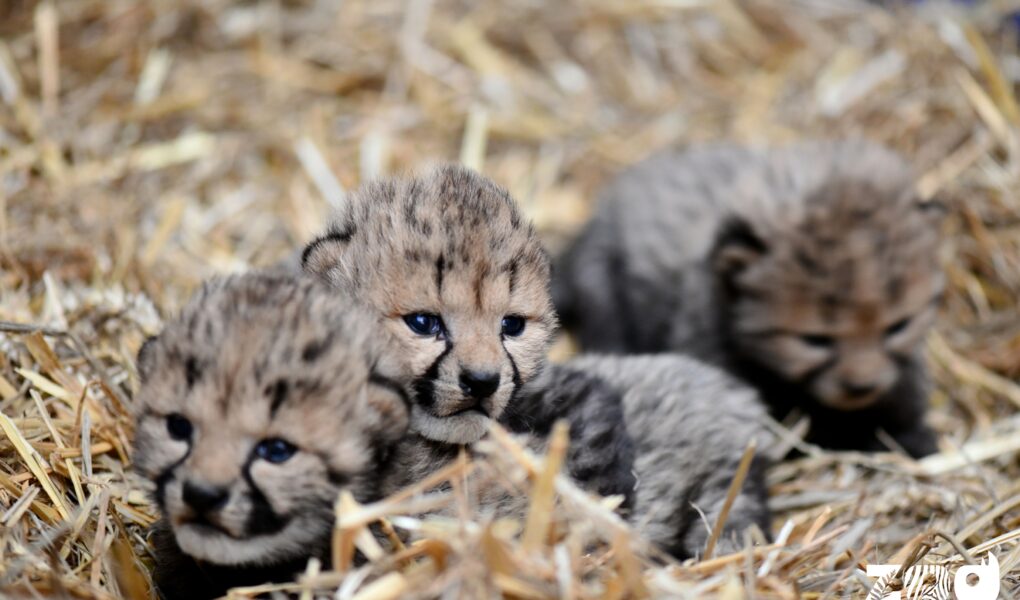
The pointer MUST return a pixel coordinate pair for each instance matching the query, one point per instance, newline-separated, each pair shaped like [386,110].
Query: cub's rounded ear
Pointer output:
[146,358]
[390,405]
[736,247]
[326,251]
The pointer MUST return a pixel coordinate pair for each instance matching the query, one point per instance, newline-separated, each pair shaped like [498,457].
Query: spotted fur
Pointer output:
[810,271]
[454,245]
[601,453]
[690,423]
[253,363]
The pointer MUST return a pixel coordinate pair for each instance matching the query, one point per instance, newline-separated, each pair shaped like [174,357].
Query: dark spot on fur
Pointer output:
[277,392]
[409,211]
[315,349]
[808,263]
[894,288]
[480,277]
[262,520]
[862,214]
[382,453]
[307,387]
[440,272]
[424,387]
[193,323]
[337,478]
[164,478]
[413,189]
[516,376]
[511,269]
[602,439]
[191,371]
[829,306]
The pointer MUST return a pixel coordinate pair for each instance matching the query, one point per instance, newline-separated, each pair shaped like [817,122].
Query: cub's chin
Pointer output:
[462,428]
[833,400]
[217,547]
[850,404]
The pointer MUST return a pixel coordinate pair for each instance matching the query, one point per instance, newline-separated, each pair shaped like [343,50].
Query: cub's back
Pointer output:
[690,423]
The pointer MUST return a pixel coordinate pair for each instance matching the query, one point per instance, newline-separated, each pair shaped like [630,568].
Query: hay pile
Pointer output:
[146,146]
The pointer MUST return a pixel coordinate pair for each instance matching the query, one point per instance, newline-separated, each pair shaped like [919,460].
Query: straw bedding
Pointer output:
[146,146]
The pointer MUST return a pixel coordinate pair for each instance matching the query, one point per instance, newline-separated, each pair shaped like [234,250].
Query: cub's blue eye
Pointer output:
[178,426]
[513,325]
[275,450]
[818,341]
[424,323]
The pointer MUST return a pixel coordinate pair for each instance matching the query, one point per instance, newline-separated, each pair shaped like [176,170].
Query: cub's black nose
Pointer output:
[479,384]
[203,499]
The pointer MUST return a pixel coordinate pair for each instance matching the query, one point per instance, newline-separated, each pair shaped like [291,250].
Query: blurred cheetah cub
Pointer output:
[810,271]
[690,423]
[258,404]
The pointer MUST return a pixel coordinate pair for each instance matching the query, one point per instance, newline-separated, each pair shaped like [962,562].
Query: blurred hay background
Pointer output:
[145,146]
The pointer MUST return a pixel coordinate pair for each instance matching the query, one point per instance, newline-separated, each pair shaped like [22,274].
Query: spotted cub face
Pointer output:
[459,277]
[840,300]
[264,399]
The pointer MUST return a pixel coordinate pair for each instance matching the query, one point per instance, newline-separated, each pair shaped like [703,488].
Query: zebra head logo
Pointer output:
[934,582]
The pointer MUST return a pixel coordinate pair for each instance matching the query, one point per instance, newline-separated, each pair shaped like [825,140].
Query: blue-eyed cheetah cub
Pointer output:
[460,280]
[810,271]
[263,399]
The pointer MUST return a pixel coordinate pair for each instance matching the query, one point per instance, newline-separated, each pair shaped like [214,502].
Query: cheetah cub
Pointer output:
[460,280]
[258,404]
[458,275]
[809,271]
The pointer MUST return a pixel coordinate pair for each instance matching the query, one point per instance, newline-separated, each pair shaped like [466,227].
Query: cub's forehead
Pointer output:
[451,215]
[238,337]
[269,308]
[845,227]
[859,244]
